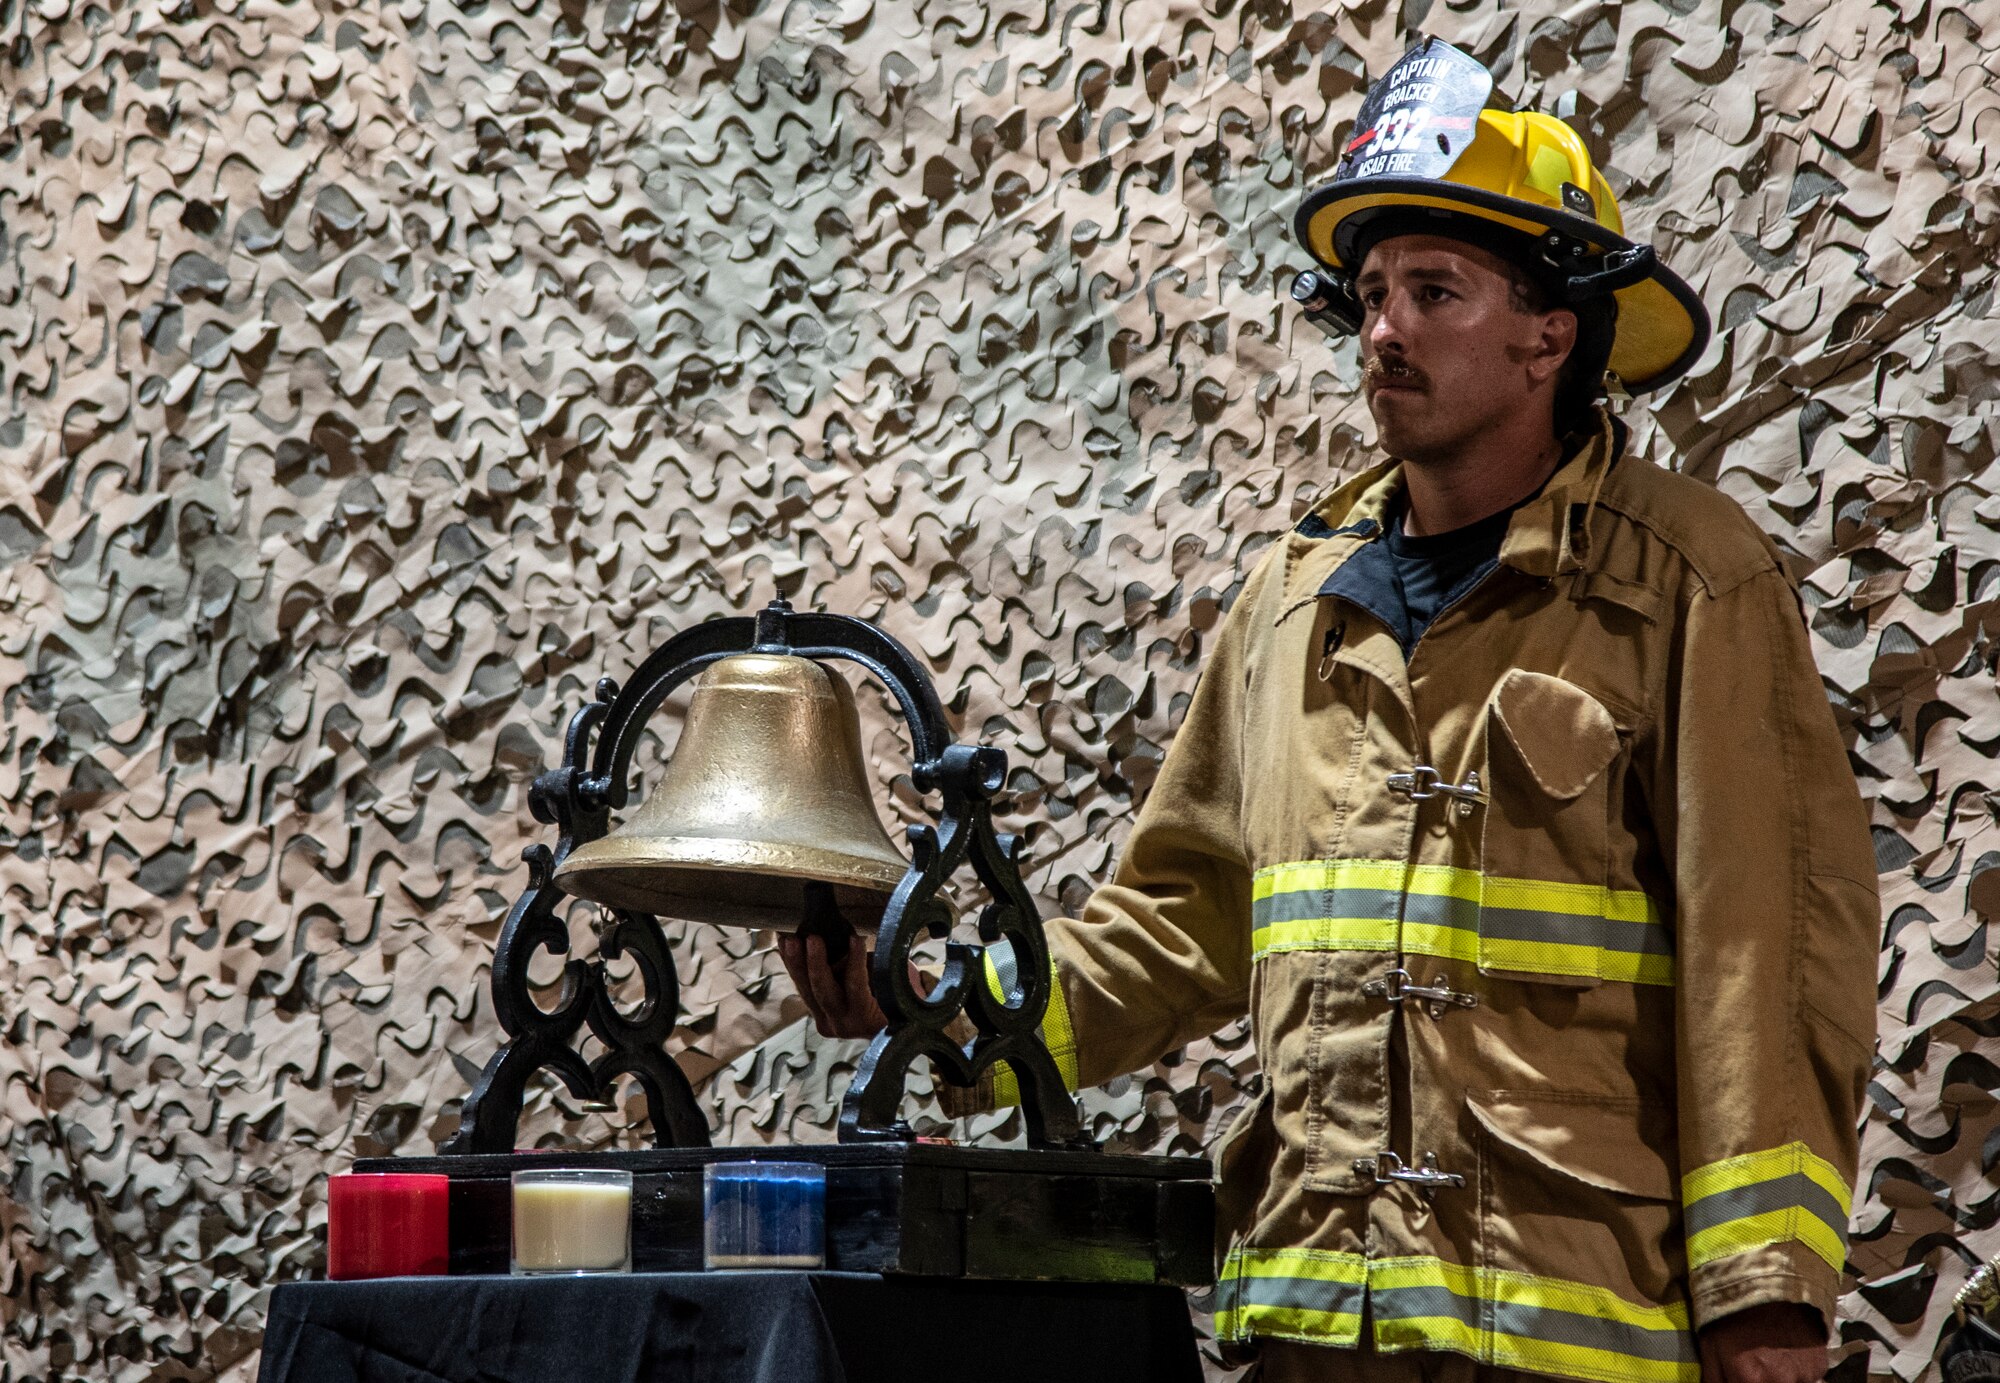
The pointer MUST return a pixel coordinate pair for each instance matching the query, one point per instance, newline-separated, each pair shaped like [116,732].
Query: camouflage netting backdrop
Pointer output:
[373,377]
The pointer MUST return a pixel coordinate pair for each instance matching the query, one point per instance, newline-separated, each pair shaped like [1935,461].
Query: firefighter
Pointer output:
[1510,808]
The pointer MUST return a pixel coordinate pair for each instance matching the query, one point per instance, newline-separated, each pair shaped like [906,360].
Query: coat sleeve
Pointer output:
[1777,920]
[1161,954]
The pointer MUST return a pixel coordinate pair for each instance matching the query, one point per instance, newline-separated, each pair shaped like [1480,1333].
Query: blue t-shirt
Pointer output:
[1428,574]
[1408,582]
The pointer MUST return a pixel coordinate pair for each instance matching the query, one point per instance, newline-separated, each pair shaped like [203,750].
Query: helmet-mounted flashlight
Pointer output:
[1328,302]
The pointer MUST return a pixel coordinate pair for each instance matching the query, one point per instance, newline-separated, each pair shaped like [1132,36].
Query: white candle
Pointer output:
[569,1221]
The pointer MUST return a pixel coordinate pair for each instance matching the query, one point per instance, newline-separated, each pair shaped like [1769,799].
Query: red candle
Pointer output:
[387,1224]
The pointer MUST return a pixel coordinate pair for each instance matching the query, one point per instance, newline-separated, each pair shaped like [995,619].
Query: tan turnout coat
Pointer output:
[1603,812]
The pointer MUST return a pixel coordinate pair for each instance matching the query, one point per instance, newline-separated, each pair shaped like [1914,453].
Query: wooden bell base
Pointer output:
[923,1209]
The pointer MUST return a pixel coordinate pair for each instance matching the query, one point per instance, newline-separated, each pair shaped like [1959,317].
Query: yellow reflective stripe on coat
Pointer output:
[1509,1319]
[1781,1196]
[1529,925]
[1295,1294]
[1056,1030]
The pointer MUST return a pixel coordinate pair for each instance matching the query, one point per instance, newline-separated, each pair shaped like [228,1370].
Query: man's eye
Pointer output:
[1372,298]
[1435,293]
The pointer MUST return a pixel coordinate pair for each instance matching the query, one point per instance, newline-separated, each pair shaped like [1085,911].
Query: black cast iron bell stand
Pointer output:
[578,798]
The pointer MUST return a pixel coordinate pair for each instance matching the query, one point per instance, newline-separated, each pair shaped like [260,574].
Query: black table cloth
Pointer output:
[777,1327]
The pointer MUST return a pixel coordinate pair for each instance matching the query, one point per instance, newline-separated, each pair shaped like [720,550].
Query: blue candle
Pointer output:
[765,1215]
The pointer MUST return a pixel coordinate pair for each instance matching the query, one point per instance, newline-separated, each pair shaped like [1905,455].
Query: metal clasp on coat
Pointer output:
[1399,985]
[1328,647]
[1423,782]
[1386,1167]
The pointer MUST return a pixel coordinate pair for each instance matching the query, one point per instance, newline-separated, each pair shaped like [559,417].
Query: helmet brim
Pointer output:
[1662,326]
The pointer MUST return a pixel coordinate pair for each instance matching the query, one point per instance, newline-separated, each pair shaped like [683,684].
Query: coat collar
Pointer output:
[1548,536]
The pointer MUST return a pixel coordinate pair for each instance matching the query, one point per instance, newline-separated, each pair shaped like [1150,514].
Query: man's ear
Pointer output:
[1553,344]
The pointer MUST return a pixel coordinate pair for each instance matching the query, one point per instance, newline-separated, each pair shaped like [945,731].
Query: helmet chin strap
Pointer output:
[1619,269]
[1607,440]
[1330,303]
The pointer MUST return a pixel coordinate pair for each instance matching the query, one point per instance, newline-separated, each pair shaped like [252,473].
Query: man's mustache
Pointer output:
[1388,370]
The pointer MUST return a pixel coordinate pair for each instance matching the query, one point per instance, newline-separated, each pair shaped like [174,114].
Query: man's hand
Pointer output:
[838,997]
[1778,1342]
[830,968]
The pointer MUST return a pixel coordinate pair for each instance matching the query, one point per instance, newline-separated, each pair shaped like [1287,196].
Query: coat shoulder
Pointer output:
[1721,544]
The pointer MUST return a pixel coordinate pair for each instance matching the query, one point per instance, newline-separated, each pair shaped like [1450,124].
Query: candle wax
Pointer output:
[571,1227]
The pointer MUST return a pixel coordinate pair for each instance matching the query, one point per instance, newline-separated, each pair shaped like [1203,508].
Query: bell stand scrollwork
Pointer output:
[540,1038]
[578,800]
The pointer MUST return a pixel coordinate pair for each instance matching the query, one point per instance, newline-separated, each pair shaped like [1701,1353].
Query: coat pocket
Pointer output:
[1613,1143]
[1242,1160]
[1554,756]
[1249,1123]
[1585,1187]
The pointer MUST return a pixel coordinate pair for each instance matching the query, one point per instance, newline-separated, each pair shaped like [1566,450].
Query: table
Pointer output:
[775,1327]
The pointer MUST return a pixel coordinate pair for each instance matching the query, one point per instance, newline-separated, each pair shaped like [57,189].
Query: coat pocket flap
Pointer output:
[1641,600]
[1563,733]
[1600,1140]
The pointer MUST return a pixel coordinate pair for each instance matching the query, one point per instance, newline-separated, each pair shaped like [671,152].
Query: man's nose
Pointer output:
[1384,329]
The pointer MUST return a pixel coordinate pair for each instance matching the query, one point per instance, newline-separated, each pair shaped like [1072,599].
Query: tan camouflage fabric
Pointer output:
[373,377]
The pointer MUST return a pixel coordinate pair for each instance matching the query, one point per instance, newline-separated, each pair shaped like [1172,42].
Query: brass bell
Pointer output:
[765,793]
